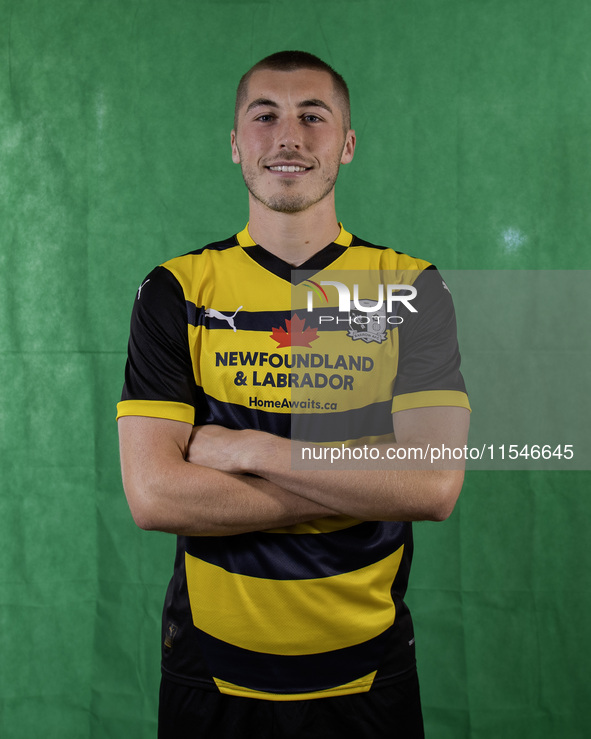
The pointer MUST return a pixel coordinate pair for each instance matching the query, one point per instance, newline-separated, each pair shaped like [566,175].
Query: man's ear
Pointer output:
[349,147]
[235,152]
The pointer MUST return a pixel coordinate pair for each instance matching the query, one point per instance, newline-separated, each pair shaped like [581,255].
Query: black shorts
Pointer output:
[191,713]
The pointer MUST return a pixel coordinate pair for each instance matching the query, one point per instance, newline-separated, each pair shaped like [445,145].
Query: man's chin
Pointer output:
[288,206]
[285,204]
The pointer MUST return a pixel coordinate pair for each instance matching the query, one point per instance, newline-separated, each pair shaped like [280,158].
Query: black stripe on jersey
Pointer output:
[371,420]
[337,426]
[266,321]
[302,556]
[244,321]
[272,673]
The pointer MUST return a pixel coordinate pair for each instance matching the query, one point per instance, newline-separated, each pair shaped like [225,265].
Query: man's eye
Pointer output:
[311,118]
[265,117]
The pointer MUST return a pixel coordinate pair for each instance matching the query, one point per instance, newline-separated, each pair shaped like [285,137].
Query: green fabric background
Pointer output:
[473,119]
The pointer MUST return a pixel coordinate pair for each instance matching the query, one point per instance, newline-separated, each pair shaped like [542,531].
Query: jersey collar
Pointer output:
[278,267]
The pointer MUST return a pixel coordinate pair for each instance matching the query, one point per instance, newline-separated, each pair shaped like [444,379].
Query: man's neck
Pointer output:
[294,237]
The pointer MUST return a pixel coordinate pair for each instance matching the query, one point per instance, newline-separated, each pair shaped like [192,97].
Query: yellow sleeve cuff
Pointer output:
[430,398]
[157,409]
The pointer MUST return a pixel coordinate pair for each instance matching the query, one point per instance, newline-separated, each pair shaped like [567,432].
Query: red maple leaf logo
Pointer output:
[294,333]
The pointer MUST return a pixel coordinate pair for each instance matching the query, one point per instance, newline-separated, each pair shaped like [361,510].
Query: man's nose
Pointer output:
[289,135]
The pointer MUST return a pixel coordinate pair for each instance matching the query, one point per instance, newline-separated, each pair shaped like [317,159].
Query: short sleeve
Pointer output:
[429,357]
[159,378]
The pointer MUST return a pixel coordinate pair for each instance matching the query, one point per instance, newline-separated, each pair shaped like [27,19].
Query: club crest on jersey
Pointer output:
[365,325]
[171,632]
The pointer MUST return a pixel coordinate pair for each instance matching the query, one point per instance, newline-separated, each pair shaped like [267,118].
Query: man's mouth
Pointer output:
[287,168]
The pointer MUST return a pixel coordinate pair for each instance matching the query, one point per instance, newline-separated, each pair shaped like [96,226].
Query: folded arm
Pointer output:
[167,493]
[393,490]
[211,481]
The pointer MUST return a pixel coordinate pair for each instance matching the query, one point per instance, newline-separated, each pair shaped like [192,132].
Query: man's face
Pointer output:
[290,139]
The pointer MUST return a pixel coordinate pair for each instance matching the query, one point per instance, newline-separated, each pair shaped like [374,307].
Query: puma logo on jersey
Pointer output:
[212,313]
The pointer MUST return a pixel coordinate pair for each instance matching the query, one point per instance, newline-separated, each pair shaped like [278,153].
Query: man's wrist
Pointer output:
[258,449]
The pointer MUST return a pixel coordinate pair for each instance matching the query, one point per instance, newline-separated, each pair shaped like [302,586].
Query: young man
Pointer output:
[285,616]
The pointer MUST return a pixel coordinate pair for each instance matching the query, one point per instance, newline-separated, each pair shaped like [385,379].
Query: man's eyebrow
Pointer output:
[311,103]
[315,103]
[262,101]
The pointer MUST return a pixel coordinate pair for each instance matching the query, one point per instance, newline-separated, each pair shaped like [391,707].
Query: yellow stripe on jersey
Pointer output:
[430,398]
[367,368]
[318,526]
[302,610]
[225,279]
[361,685]
[157,409]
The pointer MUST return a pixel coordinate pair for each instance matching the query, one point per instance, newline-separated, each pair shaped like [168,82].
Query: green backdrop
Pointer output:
[473,120]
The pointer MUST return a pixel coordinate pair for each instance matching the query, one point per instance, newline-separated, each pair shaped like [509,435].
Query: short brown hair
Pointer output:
[290,61]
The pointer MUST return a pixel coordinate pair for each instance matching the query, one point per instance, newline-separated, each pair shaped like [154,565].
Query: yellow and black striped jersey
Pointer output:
[232,335]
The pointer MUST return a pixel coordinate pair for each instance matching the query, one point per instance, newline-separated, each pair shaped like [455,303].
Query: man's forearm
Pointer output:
[401,492]
[167,493]
[396,490]
[198,501]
